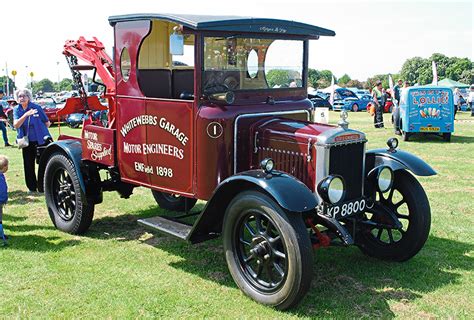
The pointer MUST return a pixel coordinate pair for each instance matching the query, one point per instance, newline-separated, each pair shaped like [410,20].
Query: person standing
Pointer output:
[396,107]
[3,119]
[378,98]
[3,194]
[30,121]
[456,100]
[470,99]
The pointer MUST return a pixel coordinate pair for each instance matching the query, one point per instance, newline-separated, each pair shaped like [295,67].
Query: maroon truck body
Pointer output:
[236,129]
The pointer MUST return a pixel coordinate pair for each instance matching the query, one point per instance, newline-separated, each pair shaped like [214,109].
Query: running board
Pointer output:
[167,226]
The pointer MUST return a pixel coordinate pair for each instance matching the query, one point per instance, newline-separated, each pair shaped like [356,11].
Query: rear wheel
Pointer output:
[405,135]
[355,107]
[406,203]
[173,202]
[447,136]
[268,252]
[67,204]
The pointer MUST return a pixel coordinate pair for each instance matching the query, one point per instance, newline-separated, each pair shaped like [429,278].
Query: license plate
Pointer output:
[429,129]
[344,209]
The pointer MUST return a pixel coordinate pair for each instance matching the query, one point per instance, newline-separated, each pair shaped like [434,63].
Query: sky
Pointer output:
[372,37]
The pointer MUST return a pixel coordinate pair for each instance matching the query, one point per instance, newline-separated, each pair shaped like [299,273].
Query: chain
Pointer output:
[77,80]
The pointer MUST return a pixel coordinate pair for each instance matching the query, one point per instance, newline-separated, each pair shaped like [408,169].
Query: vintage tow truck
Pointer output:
[216,109]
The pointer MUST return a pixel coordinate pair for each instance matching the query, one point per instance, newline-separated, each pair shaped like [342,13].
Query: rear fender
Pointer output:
[290,193]
[72,149]
[398,160]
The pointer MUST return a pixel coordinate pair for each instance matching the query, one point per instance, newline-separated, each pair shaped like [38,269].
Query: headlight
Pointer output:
[385,179]
[392,143]
[332,189]
[267,165]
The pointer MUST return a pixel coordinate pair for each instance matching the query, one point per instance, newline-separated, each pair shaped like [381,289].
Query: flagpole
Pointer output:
[435,73]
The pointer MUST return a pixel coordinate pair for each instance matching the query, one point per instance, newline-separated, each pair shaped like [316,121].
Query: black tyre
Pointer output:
[447,136]
[405,136]
[67,205]
[268,252]
[355,107]
[173,202]
[408,202]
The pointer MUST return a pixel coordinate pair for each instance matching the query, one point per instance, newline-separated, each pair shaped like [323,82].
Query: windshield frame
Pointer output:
[304,70]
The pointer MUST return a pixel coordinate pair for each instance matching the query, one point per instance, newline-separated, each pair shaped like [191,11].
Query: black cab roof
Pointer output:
[231,24]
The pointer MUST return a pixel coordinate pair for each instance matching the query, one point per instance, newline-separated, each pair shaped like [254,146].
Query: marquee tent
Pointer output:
[452,84]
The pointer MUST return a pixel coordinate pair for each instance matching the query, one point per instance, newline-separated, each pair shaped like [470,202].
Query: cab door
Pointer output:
[169,144]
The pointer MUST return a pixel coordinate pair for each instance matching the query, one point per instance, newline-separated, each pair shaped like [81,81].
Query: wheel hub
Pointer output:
[260,248]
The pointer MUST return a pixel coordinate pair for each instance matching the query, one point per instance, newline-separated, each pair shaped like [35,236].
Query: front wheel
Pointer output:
[173,202]
[268,251]
[379,237]
[67,204]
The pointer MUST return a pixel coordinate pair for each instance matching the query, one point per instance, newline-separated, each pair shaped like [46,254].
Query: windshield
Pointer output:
[250,64]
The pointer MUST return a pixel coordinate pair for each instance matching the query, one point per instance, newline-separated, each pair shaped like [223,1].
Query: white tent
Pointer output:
[330,88]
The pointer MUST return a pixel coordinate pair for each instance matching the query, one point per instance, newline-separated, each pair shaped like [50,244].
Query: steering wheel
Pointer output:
[216,87]
[231,82]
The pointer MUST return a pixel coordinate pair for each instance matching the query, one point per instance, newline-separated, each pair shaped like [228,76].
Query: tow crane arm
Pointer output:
[92,52]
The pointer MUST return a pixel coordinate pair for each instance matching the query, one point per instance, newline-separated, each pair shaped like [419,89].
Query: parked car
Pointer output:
[74,120]
[7,106]
[360,92]
[50,107]
[387,108]
[319,100]
[345,99]
[67,95]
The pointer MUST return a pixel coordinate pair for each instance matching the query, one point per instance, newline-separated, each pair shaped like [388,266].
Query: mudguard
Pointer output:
[71,148]
[398,159]
[290,193]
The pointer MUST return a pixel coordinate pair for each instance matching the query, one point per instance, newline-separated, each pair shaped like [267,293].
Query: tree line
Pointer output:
[415,70]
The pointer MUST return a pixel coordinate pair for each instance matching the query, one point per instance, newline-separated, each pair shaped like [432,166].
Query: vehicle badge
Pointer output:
[343,123]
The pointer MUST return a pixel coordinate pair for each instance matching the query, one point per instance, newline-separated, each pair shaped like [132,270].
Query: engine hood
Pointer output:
[285,130]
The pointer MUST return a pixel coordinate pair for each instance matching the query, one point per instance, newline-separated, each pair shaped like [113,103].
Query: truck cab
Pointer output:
[215,109]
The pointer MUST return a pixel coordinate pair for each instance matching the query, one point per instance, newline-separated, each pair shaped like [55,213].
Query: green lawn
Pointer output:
[119,270]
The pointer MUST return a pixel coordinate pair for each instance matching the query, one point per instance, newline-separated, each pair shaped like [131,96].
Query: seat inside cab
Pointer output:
[161,74]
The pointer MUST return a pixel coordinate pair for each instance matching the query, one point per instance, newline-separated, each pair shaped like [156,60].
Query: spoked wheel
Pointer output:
[173,202]
[268,252]
[397,226]
[67,205]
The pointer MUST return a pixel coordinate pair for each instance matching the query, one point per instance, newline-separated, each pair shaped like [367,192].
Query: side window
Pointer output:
[161,74]
[252,64]
[125,64]
[187,59]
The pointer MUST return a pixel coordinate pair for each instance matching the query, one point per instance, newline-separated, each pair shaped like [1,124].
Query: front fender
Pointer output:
[398,159]
[72,149]
[290,193]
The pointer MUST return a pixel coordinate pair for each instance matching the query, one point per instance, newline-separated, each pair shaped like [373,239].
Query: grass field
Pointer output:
[119,270]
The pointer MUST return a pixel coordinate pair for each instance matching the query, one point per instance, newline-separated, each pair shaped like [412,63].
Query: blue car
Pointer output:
[345,99]
[74,120]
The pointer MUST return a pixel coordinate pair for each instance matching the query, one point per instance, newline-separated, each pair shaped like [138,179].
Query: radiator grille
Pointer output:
[291,162]
[348,162]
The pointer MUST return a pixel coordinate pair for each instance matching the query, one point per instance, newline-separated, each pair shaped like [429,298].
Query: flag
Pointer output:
[435,73]
[331,97]
[390,84]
